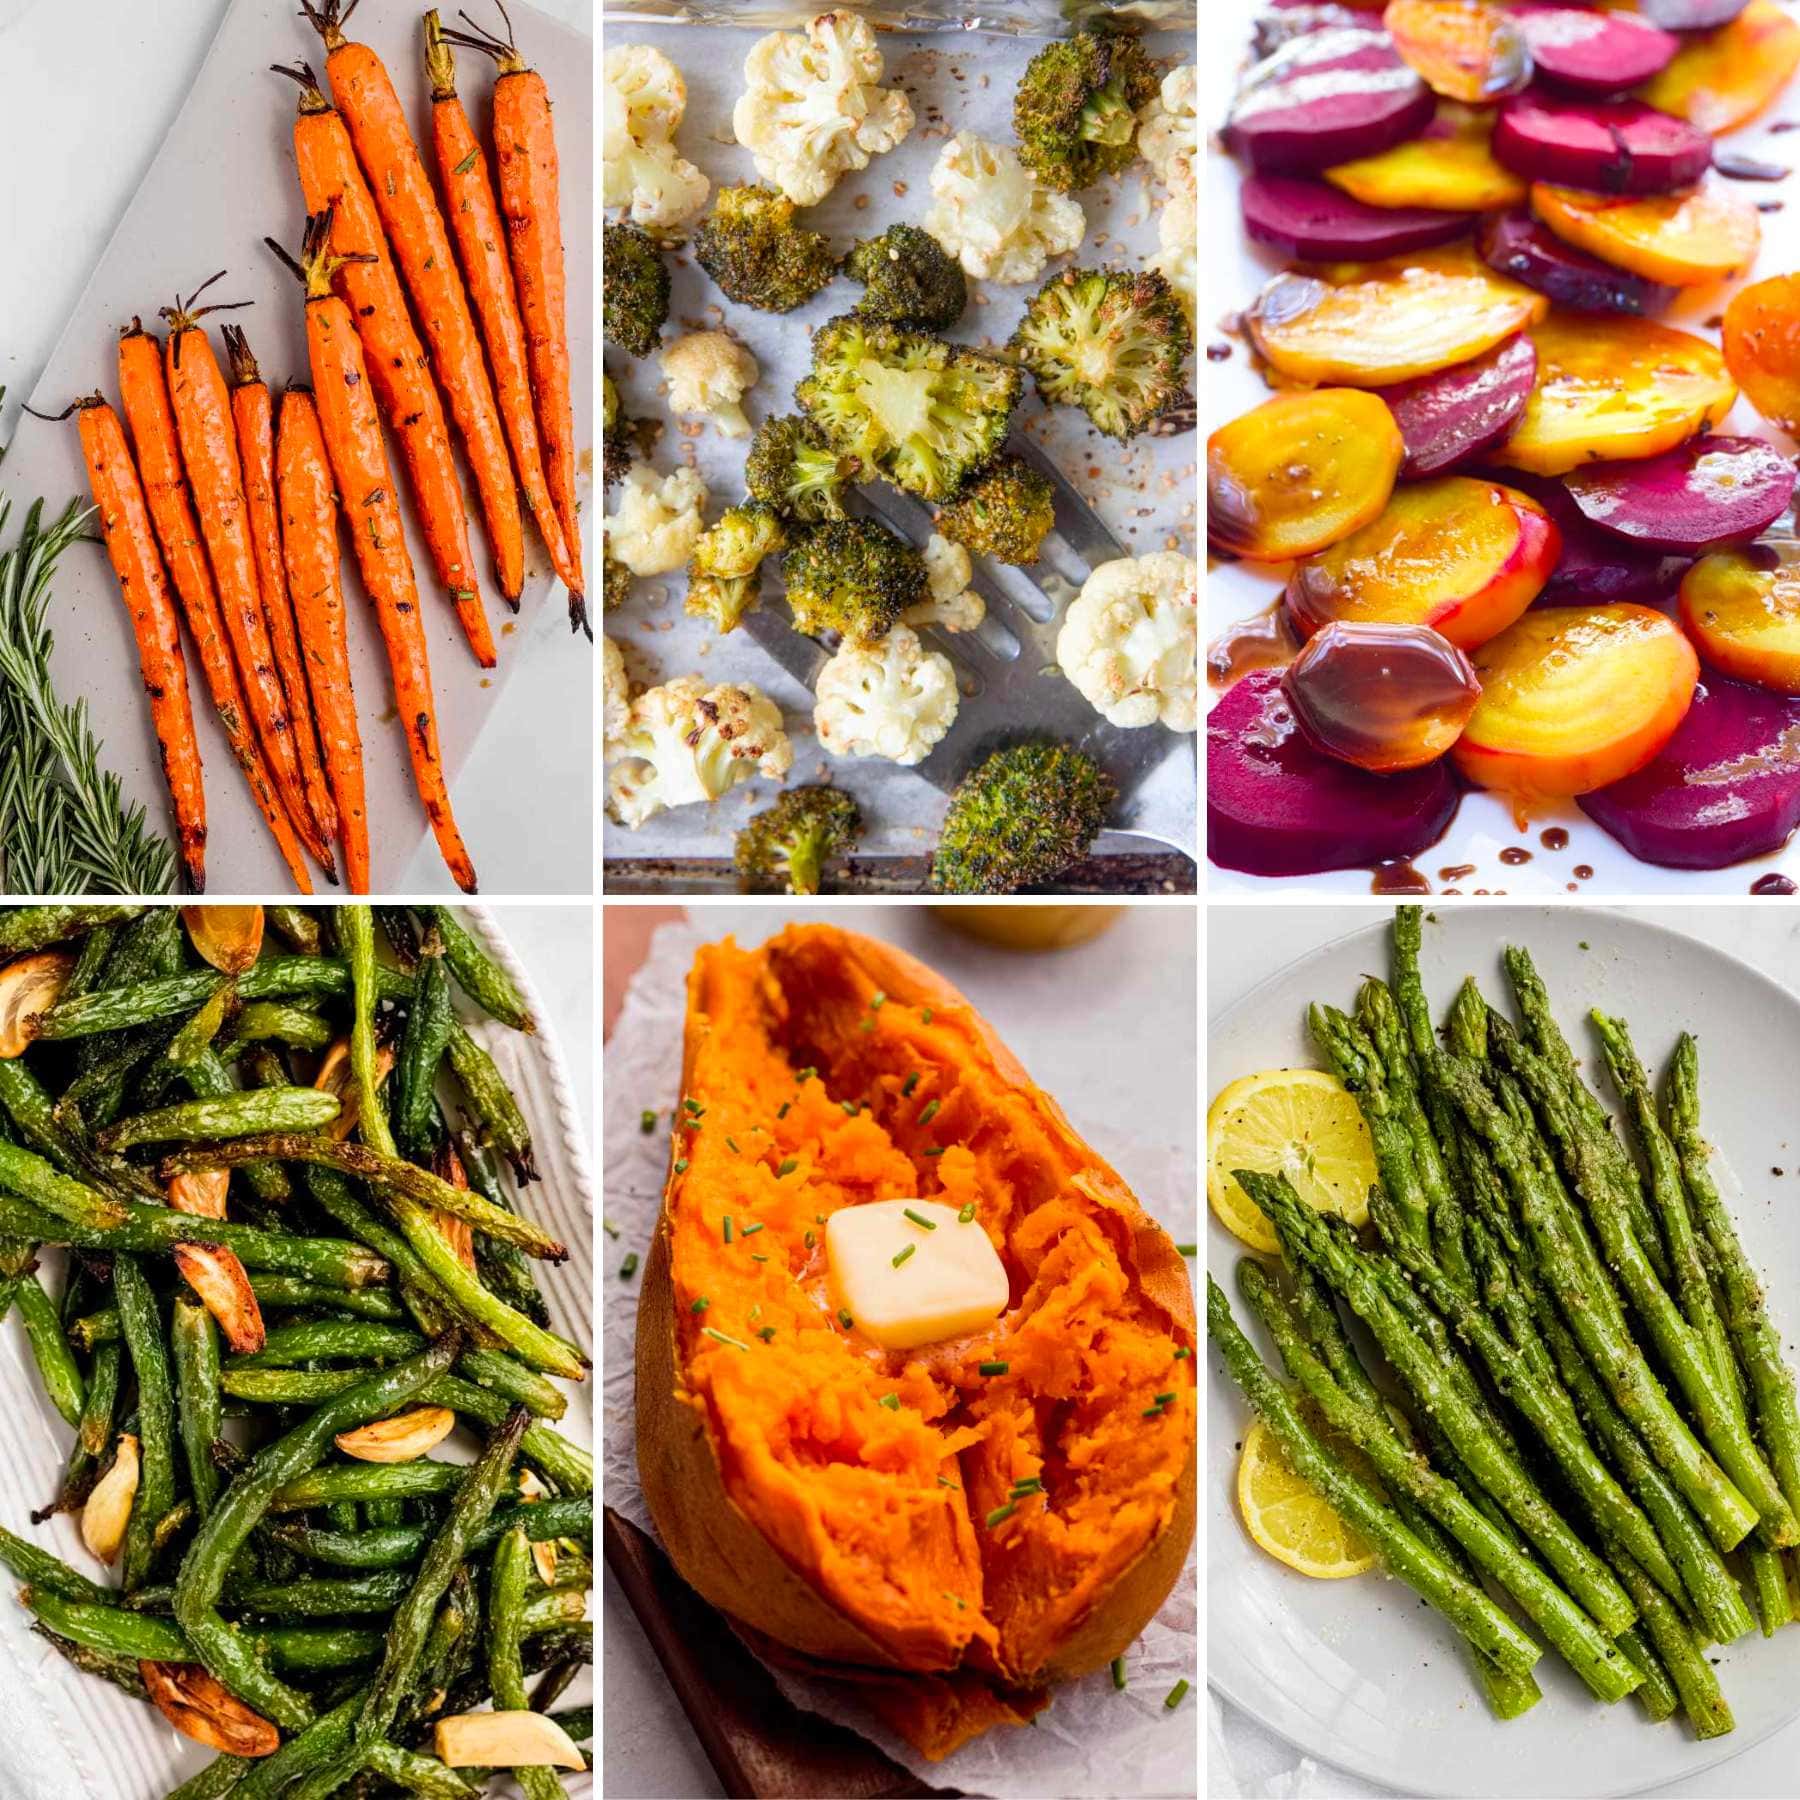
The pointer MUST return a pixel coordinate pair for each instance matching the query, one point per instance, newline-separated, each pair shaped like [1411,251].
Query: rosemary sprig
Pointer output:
[65,825]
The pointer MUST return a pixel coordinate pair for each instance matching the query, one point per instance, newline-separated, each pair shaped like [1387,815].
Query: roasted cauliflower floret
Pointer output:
[1076,109]
[1177,262]
[908,278]
[954,605]
[634,289]
[893,698]
[990,212]
[925,414]
[617,695]
[1128,641]
[643,103]
[793,469]
[811,108]
[727,560]
[684,741]
[657,522]
[708,374]
[1005,512]
[752,247]
[854,577]
[1169,134]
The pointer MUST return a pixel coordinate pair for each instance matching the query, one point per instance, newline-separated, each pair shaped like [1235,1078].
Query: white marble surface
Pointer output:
[92,86]
[1246,943]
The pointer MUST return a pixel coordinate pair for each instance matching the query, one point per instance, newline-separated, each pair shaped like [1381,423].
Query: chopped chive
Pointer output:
[628,1267]
[701,1304]
[733,1144]
[1176,1694]
[806,1074]
[919,1219]
[907,1086]
[925,1016]
[1182,1352]
[967,1213]
[694,1107]
[1001,1514]
[844,1319]
[877,1001]
[767,1334]
[929,1111]
[810,1239]
[727,1228]
[612,1231]
[938,1151]
[1164,1399]
[849,1106]
[993,1368]
[818,1218]
[756,1312]
[681,1165]
[786,1167]
[723,1338]
[1187,1249]
[1118,1673]
[904,1254]
[757,1256]
[890,1401]
[646,1121]
[1151,1412]
[781,1112]
[945,1481]
[1027,1484]
[957,1600]
[751,1229]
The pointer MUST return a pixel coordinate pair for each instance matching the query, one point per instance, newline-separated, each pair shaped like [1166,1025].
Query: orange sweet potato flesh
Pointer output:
[850,1531]
[1450,166]
[1704,233]
[1722,79]
[1761,336]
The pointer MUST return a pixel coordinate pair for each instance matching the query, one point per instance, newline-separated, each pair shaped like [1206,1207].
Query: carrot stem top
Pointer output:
[504,50]
[184,316]
[328,18]
[318,262]
[440,64]
[244,372]
[312,95]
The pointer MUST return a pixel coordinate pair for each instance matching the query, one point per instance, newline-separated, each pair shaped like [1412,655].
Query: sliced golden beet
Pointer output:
[1762,347]
[1449,167]
[1722,79]
[1742,607]
[1706,233]
[1464,49]
[1299,472]
[1576,697]
[1461,555]
[1372,324]
[1610,389]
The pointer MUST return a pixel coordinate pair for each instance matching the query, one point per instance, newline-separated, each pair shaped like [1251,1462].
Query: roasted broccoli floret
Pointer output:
[750,245]
[854,577]
[908,279]
[1020,819]
[783,848]
[1110,342]
[1005,512]
[1075,114]
[634,288]
[793,469]
[723,585]
[925,414]
[615,436]
[615,581]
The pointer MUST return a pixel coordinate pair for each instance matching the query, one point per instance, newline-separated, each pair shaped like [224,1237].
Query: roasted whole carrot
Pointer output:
[208,439]
[525,146]
[309,546]
[131,548]
[351,427]
[480,236]
[145,396]
[253,412]
[331,181]
[365,98]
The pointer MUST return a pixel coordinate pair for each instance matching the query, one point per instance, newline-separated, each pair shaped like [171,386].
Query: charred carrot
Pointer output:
[365,97]
[253,413]
[330,181]
[309,545]
[146,400]
[131,548]
[352,431]
[481,242]
[203,427]
[525,145]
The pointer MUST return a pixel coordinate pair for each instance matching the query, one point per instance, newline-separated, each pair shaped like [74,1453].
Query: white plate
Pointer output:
[1359,1673]
[69,1736]
[221,181]
[1483,826]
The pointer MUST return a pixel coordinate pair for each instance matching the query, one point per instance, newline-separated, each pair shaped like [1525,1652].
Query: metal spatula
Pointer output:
[1007,669]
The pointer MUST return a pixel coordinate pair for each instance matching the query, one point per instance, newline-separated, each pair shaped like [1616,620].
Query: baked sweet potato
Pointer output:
[863,1506]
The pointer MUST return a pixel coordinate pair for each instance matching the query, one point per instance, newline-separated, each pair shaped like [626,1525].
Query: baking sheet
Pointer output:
[1137,1111]
[1146,490]
[222,180]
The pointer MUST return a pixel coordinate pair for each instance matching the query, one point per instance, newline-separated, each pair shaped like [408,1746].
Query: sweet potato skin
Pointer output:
[716,1546]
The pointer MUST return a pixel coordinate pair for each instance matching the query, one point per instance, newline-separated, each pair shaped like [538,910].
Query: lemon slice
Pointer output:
[1301,1123]
[1289,1519]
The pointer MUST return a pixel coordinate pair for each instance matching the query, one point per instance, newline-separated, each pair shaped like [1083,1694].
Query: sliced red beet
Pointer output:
[1327,98]
[1707,492]
[1691,15]
[1592,52]
[1724,788]
[1449,418]
[1516,244]
[1313,222]
[1276,806]
[1291,19]
[1595,568]
[1611,146]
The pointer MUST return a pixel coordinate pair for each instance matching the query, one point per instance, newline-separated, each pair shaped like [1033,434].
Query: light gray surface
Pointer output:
[1145,490]
[92,89]
[1246,945]
[1124,1074]
[558,946]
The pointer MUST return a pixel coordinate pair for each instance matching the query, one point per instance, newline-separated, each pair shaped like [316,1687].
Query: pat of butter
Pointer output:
[906,1283]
